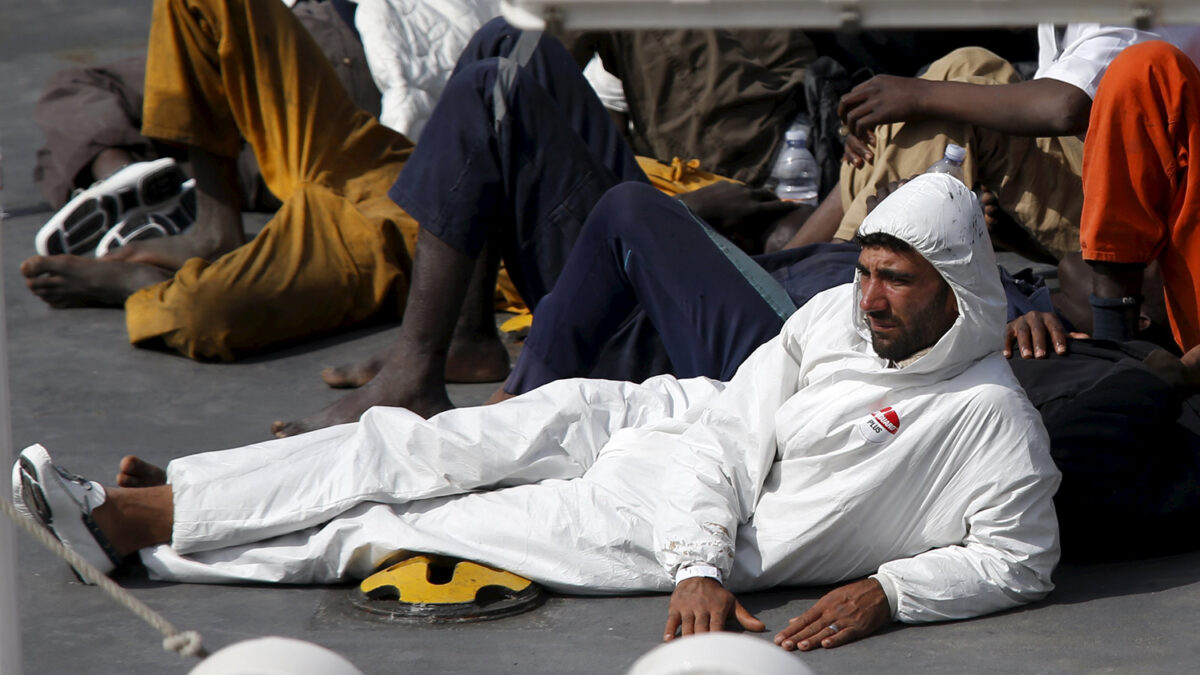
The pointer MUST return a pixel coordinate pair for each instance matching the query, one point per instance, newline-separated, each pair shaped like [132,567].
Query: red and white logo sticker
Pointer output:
[880,425]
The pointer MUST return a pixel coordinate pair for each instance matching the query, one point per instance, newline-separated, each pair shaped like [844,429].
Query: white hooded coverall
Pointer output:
[816,463]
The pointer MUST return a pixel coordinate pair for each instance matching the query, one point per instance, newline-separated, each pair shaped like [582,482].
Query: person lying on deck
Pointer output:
[879,440]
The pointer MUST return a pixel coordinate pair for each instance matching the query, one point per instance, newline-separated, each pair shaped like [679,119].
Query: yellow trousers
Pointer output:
[1036,180]
[336,253]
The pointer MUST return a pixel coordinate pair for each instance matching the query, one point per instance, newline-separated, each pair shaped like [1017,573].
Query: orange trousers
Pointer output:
[1141,203]
[336,253]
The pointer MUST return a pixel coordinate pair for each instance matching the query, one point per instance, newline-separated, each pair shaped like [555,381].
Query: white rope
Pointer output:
[185,643]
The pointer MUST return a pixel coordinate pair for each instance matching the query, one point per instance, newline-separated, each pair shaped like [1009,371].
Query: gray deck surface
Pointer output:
[82,390]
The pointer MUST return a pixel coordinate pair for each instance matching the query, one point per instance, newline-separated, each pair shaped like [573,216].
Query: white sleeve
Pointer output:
[1011,546]
[1079,53]
[411,48]
[718,465]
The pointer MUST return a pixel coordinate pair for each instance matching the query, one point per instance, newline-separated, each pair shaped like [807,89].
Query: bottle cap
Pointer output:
[955,153]
[796,135]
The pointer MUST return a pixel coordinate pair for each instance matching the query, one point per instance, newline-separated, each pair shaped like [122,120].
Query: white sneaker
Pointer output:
[63,503]
[152,225]
[137,188]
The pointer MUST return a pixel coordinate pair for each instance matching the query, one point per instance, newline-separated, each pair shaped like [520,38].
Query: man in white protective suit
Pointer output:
[881,434]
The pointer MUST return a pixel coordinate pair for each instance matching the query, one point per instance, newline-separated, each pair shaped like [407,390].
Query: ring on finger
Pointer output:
[833,628]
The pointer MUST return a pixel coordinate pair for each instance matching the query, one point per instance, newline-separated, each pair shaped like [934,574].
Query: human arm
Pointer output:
[742,214]
[843,615]
[1044,107]
[716,471]
[1010,545]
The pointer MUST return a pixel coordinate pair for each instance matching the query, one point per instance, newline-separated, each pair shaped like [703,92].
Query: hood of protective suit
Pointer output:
[941,219]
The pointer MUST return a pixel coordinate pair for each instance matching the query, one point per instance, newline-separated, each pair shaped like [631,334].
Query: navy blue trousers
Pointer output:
[517,152]
[645,267]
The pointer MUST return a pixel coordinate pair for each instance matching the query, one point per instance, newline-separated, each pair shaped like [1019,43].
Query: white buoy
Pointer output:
[719,654]
[275,656]
[10,634]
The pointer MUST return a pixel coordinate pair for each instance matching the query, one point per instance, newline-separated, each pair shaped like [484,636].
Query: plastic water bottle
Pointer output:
[951,162]
[795,172]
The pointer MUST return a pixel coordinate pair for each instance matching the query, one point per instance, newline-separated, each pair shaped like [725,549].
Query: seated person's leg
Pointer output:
[505,164]
[711,304]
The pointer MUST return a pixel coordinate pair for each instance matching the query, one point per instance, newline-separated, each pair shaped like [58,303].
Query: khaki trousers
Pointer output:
[1036,180]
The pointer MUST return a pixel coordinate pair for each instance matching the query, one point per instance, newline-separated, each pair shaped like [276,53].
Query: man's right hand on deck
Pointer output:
[700,605]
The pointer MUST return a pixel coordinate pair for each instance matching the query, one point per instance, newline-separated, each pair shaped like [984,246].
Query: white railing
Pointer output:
[10,632]
[841,14]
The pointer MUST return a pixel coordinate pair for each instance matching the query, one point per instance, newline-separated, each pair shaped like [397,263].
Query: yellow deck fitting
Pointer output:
[436,589]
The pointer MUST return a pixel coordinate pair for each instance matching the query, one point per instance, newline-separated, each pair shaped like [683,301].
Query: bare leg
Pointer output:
[822,224]
[218,227]
[1007,233]
[135,472]
[476,353]
[413,375]
[109,161]
[134,518]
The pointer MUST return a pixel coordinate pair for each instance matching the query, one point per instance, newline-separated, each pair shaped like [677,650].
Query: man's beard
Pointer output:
[921,330]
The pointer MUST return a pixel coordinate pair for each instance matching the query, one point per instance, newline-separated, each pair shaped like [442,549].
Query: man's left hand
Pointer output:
[843,615]
[741,213]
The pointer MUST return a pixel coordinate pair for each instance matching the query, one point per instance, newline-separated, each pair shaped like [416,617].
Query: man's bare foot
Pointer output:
[470,360]
[477,358]
[387,388]
[407,379]
[135,472]
[171,253]
[354,375]
[76,281]
[1008,233]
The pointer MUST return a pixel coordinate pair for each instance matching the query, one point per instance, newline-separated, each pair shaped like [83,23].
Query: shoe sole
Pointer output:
[31,493]
[152,224]
[85,219]
[30,500]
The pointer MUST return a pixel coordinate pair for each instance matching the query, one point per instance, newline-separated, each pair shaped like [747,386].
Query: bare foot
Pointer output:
[172,252]
[400,382]
[135,472]
[1007,233]
[354,375]
[470,360]
[76,281]
[477,358]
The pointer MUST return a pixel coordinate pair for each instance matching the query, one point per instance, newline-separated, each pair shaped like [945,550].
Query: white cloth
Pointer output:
[411,48]
[1079,53]
[815,464]
[608,87]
